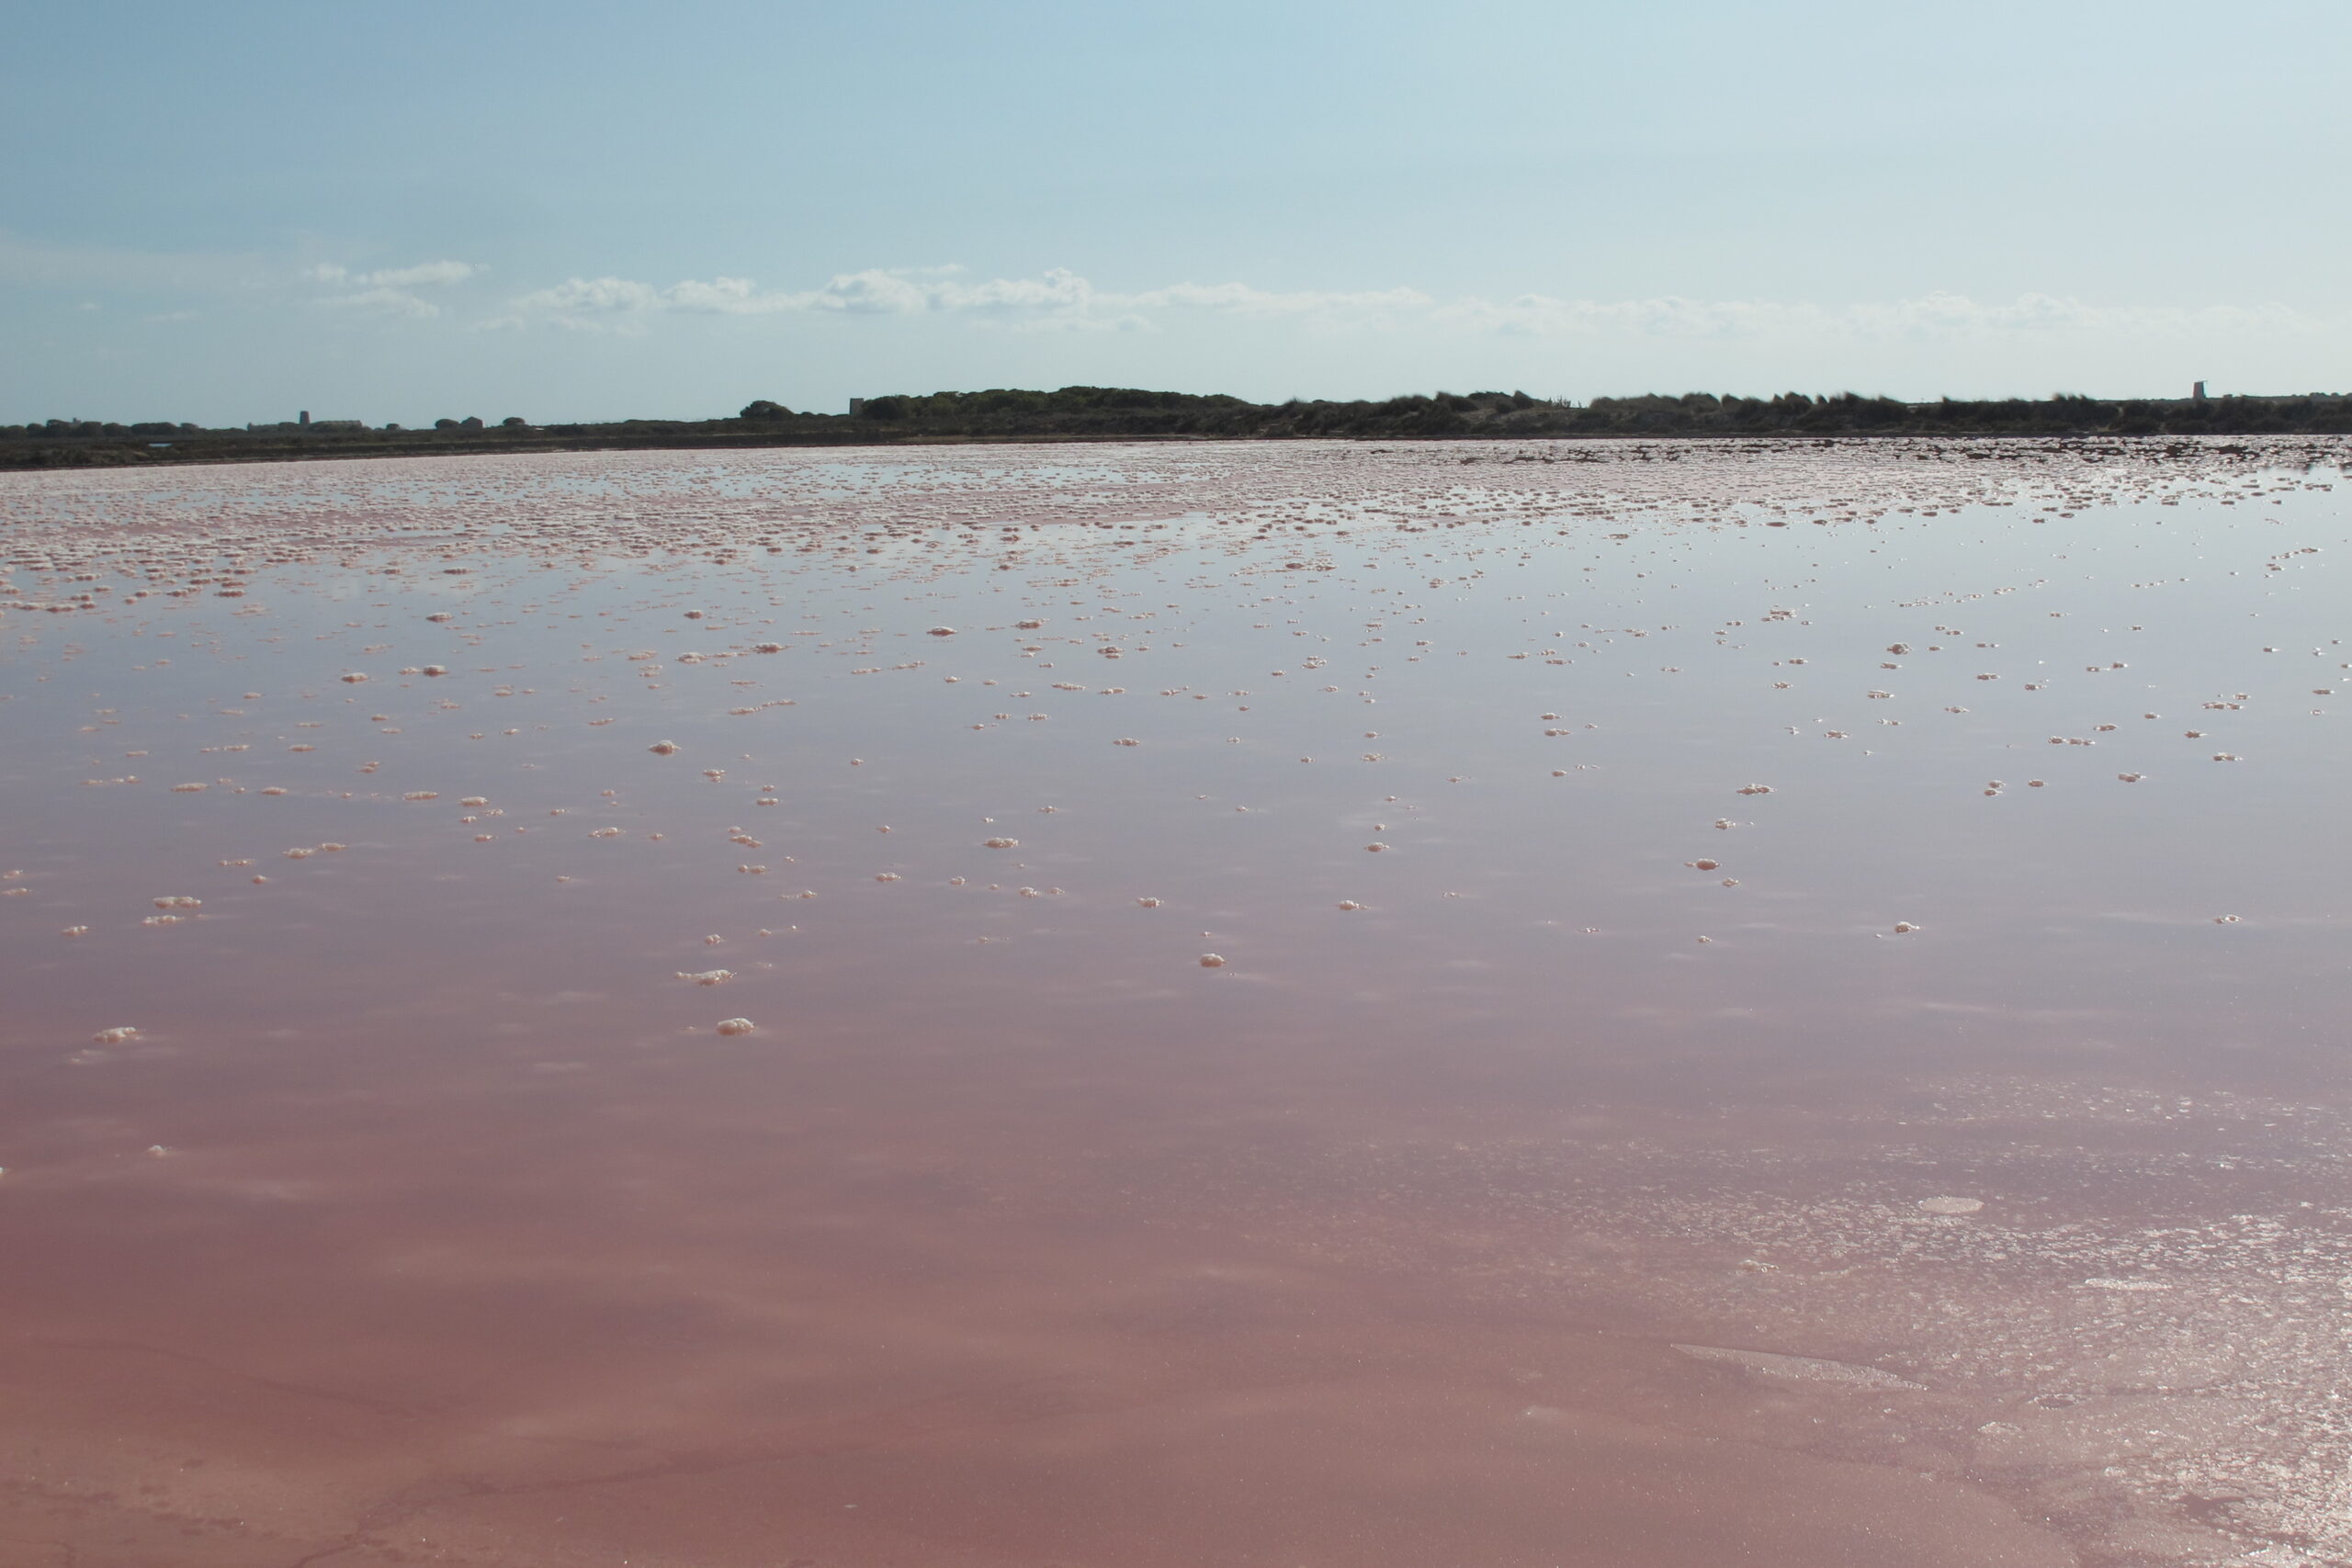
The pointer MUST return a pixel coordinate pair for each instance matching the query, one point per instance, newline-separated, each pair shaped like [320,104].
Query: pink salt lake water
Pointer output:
[1523,1194]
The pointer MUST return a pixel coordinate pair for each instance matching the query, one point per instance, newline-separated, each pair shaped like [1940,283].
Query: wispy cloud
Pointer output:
[385,291]
[386,302]
[1057,297]
[27,262]
[1930,316]
[874,292]
[38,264]
[1241,299]
[397,276]
[1063,300]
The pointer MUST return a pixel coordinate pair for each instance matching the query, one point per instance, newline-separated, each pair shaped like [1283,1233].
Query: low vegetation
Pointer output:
[1113,414]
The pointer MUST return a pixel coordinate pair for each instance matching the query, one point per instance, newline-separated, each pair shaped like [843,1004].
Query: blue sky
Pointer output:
[226,212]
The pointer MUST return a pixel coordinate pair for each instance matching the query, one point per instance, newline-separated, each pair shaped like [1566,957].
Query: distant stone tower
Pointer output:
[304,417]
[2196,394]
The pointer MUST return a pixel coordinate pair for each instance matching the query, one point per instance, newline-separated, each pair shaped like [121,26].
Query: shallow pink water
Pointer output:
[1523,1192]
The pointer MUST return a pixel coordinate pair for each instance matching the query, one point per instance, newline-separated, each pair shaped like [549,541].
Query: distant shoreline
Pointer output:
[1090,414]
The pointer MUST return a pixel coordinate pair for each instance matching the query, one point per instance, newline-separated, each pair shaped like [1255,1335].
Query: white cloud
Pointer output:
[438,272]
[1056,298]
[1061,300]
[874,292]
[595,294]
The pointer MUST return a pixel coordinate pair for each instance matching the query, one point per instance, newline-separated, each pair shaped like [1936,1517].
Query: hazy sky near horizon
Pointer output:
[229,211]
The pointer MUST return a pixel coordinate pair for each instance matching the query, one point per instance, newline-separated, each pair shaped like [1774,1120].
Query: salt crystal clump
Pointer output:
[1002,843]
[736,1026]
[663,748]
[709,976]
[114,1036]
[1212,961]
